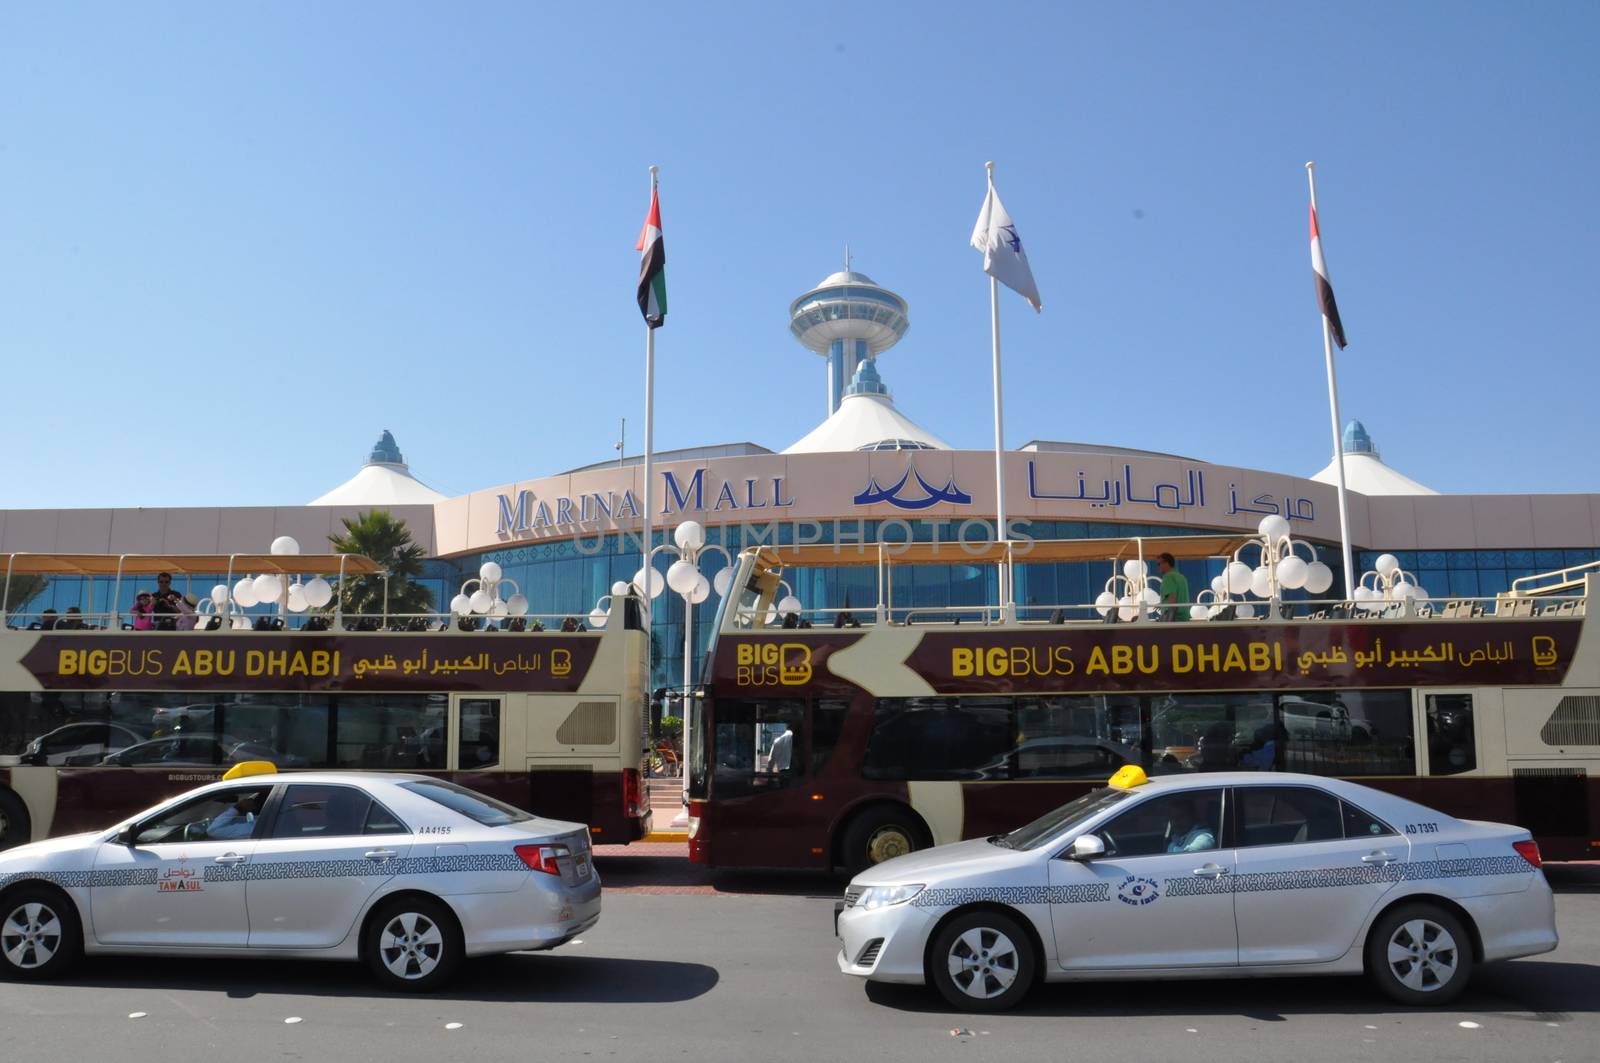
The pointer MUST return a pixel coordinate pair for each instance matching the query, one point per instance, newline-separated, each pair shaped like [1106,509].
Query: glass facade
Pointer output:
[1476,573]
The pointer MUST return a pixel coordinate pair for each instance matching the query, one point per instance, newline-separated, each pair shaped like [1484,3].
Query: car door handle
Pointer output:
[1211,871]
[380,855]
[1379,857]
[231,858]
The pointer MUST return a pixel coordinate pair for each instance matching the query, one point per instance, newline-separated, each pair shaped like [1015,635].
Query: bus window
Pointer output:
[940,738]
[756,744]
[827,724]
[1451,745]
[1210,732]
[1074,737]
[394,732]
[1343,732]
[478,744]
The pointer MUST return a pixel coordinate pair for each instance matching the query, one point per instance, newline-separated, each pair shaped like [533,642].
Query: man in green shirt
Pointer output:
[1174,587]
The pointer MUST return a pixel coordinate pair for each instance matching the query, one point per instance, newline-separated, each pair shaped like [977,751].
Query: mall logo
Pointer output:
[897,497]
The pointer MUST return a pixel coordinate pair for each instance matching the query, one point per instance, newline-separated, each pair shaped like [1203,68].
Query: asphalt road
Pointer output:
[689,966]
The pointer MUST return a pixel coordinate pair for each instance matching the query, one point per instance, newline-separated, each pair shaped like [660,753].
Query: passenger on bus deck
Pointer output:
[166,603]
[143,612]
[48,620]
[569,624]
[1174,587]
[186,604]
[73,621]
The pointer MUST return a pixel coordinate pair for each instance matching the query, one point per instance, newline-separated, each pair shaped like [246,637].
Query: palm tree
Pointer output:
[378,534]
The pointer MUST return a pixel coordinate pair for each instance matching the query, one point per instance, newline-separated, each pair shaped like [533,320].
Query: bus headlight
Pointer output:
[883,896]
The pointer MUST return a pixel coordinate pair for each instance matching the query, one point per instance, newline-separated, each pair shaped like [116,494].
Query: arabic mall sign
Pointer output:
[491,662]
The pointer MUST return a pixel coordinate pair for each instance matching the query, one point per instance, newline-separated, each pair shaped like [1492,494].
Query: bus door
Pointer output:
[476,722]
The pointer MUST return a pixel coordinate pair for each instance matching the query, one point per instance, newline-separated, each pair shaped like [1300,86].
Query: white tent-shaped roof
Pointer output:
[385,480]
[1365,472]
[866,420]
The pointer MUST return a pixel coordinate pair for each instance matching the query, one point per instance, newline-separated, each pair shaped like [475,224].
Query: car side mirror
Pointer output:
[1086,847]
[127,835]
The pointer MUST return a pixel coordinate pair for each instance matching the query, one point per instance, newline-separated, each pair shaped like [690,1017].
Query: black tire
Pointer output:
[40,934]
[982,961]
[413,944]
[15,826]
[1420,954]
[880,834]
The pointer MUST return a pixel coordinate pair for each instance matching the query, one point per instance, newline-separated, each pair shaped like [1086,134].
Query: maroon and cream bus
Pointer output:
[97,722]
[839,738]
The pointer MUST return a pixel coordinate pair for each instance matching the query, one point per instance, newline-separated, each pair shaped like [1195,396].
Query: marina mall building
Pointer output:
[867,473]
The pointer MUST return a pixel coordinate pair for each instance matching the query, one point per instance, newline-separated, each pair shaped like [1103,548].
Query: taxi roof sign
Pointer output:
[246,768]
[1127,777]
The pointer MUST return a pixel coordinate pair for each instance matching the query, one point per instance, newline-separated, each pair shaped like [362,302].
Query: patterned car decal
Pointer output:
[286,869]
[949,898]
[1263,882]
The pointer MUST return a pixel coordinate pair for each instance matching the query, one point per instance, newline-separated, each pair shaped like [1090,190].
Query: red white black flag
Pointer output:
[1330,309]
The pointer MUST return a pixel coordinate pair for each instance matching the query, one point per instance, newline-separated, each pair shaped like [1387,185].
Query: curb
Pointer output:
[666,836]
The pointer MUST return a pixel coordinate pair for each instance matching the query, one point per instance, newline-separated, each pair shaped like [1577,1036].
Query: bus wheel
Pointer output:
[15,827]
[880,834]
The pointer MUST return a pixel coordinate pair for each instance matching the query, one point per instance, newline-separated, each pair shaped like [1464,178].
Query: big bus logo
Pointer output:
[1544,651]
[761,664]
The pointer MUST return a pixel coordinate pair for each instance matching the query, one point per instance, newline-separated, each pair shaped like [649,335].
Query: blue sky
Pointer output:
[237,241]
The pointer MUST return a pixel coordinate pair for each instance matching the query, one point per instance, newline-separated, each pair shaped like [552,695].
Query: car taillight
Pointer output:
[1529,850]
[632,799]
[543,857]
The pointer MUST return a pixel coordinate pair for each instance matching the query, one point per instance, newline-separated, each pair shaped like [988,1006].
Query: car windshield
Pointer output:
[1059,819]
[475,806]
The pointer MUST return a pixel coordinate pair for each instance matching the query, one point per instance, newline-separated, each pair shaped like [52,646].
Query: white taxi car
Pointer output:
[1211,875]
[409,873]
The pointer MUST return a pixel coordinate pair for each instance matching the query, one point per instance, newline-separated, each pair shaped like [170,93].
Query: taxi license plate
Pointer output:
[582,863]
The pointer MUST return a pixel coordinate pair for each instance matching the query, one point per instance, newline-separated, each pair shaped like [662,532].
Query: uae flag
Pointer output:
[1330,309]
[653,266]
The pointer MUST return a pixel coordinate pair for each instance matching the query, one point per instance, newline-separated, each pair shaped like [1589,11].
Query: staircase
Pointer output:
[665,795]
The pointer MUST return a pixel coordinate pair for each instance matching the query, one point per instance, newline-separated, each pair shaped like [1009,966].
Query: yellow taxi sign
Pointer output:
[246,768]
[1127,777]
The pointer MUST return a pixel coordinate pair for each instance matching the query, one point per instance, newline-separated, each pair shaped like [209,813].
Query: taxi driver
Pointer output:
[1187,834]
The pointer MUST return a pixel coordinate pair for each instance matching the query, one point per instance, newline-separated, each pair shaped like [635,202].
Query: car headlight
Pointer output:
[883,896]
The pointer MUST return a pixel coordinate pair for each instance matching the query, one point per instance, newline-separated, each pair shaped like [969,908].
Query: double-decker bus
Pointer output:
[842,737]
[97,722]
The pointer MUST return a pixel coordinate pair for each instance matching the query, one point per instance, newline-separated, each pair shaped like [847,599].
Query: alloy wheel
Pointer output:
[886,843]
[411,946]
[30,936]
[1422,955]
[983,963]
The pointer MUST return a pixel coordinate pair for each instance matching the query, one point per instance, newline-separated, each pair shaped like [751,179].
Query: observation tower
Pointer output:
[848,319]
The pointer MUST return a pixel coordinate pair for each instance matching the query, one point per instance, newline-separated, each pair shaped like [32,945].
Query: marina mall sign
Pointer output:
[908,486]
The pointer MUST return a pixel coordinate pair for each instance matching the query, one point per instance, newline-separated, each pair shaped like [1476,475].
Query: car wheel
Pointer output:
[40,936]
[983,961]
[878,835]
[414,945]
[1420,954]
[15,827]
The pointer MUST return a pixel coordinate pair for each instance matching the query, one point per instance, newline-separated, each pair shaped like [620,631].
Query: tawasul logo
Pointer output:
[931,496]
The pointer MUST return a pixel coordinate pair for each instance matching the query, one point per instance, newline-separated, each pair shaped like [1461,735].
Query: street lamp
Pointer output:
[486,599]
[271,589]
[1389,584]
[1127,591]
[1278,570]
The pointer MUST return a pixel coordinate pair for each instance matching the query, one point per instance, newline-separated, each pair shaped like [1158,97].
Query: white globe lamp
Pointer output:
[489,572]
[481,601]
[244,593]
[1245,611]
[219,595]
[517,605]
[1104,601]
[1386,564]
[1199,612]
[1292,572]
[1239,577]
[722,581]
[297,598]
[319,592]
[1134,570]
[689,536]
[598,618]
[1273,527]
[681,576]
[461,605]
[700,591]
[284,545]
[1319,577]
[788,604]
[268,588]
[619,589]
[655,585]
[1261,582]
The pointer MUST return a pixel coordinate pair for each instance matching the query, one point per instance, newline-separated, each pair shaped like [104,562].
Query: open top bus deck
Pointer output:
[913,726]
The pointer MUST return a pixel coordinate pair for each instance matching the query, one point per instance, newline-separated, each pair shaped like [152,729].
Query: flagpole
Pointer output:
[649,449]
[1338,432]
[1006,604]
